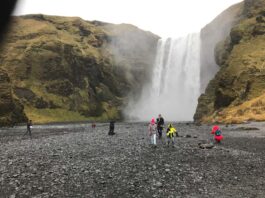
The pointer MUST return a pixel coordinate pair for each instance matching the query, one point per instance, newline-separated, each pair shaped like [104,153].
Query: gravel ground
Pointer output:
[76,161]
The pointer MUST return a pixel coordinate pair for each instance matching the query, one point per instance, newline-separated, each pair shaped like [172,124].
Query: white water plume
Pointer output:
[175,85]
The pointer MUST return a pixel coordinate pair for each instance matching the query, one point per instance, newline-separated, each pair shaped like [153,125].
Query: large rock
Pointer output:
[11,111]
[235,93]
[212,34]
[69,69]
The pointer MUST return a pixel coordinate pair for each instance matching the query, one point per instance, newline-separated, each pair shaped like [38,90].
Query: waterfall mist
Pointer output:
[175,85]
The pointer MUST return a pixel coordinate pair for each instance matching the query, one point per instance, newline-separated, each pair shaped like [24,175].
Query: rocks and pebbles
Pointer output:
[78,162]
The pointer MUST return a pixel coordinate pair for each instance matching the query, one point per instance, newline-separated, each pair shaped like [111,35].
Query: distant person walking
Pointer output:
[217,134]
[171,133]
[152,131]
[160,125]
[93,125]
[29,127]
[111,127]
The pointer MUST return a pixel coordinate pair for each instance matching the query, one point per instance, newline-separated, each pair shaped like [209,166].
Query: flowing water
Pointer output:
[175,85]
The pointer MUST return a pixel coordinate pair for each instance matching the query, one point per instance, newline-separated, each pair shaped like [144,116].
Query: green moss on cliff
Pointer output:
[242,70]
[68,69]
[11,110]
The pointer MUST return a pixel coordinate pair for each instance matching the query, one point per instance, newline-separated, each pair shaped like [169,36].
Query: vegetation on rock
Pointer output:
[214,34]
[236,93]
[69,69]
[11,110]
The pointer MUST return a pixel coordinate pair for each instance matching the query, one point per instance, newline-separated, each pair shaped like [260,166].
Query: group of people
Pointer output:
[156,127]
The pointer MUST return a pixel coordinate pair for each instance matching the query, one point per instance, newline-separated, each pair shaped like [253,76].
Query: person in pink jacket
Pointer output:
[152,131]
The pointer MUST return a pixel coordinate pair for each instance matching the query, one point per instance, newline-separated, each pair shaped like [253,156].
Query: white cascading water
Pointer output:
[175,85]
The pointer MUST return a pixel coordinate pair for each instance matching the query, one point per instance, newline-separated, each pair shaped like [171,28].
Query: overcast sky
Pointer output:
[163,17]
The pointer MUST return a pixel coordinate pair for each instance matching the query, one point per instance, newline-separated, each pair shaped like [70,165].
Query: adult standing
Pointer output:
[29,127]
[160,125]
[111,127]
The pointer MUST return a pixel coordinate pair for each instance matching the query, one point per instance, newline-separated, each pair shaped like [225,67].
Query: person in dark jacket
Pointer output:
[29,127]
[160,125]
[111,127]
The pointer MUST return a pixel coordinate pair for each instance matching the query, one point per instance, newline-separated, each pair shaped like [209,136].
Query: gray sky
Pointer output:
[167,18]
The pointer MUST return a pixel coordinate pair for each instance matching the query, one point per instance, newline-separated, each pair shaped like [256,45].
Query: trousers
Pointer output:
[153,139]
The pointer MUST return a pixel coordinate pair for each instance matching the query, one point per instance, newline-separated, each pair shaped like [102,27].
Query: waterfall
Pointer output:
[175,85]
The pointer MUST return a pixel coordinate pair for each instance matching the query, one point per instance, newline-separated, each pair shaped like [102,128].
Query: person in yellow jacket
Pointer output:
[171,134]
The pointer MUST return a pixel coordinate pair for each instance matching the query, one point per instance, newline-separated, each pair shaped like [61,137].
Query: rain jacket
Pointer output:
[217,133]
[171,131]
[152,129]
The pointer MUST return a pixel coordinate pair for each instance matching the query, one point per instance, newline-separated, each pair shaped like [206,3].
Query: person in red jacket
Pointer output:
[217,134]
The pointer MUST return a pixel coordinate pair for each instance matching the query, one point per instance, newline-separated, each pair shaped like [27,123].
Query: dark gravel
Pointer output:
[76,161]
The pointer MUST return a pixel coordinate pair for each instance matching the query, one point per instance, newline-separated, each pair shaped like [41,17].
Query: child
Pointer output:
[171,133]
[152,131]
[217,134]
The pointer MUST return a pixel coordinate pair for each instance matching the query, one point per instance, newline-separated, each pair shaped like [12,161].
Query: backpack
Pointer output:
[217,132]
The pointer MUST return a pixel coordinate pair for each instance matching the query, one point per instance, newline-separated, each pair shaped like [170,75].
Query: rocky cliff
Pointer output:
[11,110]
[212,34]
[236,94]
[69,69]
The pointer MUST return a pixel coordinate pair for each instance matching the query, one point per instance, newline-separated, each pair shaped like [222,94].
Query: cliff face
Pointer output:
[236,93]
[11,111]
[68,69]
[212,34]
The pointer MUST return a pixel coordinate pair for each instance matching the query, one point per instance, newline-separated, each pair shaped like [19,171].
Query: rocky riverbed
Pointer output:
[76,161]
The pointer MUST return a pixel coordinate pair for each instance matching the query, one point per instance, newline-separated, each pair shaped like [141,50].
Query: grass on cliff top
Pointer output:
[43,116]
[252,110]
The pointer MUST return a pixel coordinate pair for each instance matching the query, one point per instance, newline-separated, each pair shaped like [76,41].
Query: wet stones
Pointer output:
[125,166]
[246,128]
[158,184]
[205,146]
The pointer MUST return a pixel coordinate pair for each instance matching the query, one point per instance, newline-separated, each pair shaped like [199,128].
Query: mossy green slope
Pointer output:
[11,110]
[69,69]
[241,78]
